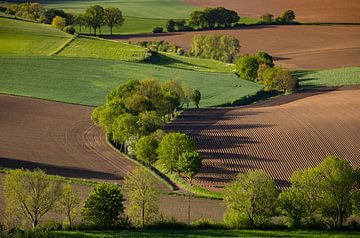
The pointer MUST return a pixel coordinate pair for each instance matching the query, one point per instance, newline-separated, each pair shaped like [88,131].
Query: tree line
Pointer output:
[286,17]
[94,17]
[320,197]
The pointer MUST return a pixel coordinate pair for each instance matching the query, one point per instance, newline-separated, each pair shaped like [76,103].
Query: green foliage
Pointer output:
[143,194]
[146,149]
[170,25]
[172,146]
[68,202]
[94,16]
[113,17]
[29,195]
[196,98]
[224,48]
[264,58]
[69,29]
[51,13]
[123,127]
[58,22]
[158,29]
[250,200]
[189,163]
[286,17]
[104,206]
[31,11]
[246,67]
[267,18]
[213,17]
[278,79]
[149,121]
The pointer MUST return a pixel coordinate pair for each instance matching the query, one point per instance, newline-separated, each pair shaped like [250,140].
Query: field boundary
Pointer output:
[66,44]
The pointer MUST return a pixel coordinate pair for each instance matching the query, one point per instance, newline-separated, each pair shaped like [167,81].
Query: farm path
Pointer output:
[279,136]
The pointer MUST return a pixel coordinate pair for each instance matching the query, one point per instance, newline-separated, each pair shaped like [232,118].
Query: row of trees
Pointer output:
[322,196]
[219,47]
[209,18]
[31,195]
[260,68]
[94,16]
[285,18]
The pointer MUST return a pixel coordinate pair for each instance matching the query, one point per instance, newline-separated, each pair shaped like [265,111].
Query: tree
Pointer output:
[267,18]
[95,16]
[113,17]
[148,122]
[58,22]
[146,149]
[68,202]
[170,25]
[260,72]
[30,195]
[189,163]
[171,147]
[36,10]
[247,67]
[196,98]
[79,20]
[278,79]
[51,13]
[264,58]
[198,19]
[250,200]
[143,195]
[286,17]
[104,206]
[124,126]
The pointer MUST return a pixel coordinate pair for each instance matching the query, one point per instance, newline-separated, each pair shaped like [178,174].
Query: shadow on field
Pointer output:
[70,172]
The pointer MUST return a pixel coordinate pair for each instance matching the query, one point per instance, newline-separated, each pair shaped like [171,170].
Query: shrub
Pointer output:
[267,18]
[69,30]
[247,67]
[104,206]
[3,8]
[180,51]
[286,17]
[58,22]
[279,79]
[170,25]
[158,29]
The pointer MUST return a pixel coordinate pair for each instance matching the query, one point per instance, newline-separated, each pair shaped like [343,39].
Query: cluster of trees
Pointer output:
[260,68]
[210,18]
[219,47]
[30,195]
[162,46]
[94,16]
[285,18]
[322,196]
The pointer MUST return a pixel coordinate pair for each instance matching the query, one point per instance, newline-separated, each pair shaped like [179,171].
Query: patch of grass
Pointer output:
[206,233]
[330,77]
[248,20]
[28,38]
[132,25]
[138,8]
[87,81]
[91,47]
[192,63]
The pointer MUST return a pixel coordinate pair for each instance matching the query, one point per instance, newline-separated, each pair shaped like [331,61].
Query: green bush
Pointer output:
[69,29]
[247,67]
[158,29]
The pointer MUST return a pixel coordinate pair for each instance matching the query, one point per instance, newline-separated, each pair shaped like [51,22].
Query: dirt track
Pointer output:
[295,47]
[280,136]
[305,10]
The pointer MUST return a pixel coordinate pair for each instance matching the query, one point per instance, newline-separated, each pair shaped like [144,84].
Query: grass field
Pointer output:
[165,9]
[330,78]
[87,81]
[206,233]
[27,38]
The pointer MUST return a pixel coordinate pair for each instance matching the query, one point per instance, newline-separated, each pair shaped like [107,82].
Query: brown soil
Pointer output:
[305,10]
[295,47]
[280,136]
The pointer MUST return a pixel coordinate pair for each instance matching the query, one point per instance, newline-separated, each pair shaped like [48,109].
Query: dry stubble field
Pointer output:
[279,136]
[305,10]
[294,47]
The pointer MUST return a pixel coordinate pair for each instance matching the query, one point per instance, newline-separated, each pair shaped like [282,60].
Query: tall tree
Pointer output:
[143,194]
[146,149]
[30,195]
[94,16]
[68,202]
[113,17]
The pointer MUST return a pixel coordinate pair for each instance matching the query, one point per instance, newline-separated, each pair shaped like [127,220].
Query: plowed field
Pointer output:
[280,136]
[305,10]
[295,47]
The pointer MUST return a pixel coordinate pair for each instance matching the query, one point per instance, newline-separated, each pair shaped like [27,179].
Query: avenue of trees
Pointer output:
[260,68]
[94,17]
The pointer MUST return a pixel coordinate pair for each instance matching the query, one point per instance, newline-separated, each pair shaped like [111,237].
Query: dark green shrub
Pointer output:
[69,29]
[158,29]
[247,67]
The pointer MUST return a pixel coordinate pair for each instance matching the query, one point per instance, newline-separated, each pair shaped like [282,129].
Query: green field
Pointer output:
[330,77]
[166,9]
[206,233]
[87,81]
[27,38]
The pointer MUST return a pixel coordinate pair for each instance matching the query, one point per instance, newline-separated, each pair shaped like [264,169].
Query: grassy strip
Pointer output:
[76,181]
[61,48]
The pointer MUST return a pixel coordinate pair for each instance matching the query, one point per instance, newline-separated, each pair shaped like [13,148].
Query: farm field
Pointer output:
[62,139]
[87,81]
[305,10]
[207,233]
[279,136]
[294,47]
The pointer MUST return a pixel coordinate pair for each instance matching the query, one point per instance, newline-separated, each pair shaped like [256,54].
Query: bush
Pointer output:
[158,29]
[2,8]
[247,67]
[286,17]
[58,22]
[278,79]
[170,25]
[69,29]
[104,206]
[267,18]
[206,223]
[180,51]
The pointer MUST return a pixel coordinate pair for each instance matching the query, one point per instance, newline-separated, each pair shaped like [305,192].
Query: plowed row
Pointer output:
[295,47]
[279,137]
[305,10]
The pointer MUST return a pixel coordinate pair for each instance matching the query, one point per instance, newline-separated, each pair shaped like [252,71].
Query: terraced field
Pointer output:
[279,136]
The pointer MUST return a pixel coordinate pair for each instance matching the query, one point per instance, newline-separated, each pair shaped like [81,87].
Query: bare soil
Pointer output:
[305,10]
[279,136]
[293,47]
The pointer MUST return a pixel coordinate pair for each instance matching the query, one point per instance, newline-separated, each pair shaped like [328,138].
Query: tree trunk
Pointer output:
[111,30]
[94,31]
[189,204]
[143,216]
